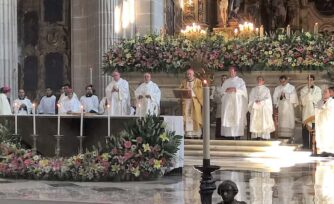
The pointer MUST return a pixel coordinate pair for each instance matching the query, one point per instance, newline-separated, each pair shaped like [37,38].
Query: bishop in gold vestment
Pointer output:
[192,108]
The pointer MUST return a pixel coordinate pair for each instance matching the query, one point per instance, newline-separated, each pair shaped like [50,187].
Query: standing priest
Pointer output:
[90,102]
[261,111]
[23,103]
[148,97]
[310,95]
[324,120]
[192,108]
[285,100]
[118,95]
[47,105]
[234,106]
[4,102]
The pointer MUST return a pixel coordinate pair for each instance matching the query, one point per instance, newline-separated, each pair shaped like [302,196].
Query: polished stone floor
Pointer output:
[309,181]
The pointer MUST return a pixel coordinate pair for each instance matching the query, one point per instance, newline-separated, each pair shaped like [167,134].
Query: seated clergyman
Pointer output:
[228,190]
[69,104]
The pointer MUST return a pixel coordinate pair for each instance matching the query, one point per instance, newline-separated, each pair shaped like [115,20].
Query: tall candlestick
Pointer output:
[58,126]
[206,120]
[91,75]
[81,120]
[316,28]
[261,31]
[34,118]
[15,112]
[288,31]
[108,106]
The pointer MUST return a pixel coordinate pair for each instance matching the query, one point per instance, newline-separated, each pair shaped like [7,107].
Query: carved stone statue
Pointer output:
[223,6]
[233,8]
[228,190]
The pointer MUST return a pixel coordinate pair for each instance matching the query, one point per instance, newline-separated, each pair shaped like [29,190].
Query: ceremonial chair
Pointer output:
[312,133]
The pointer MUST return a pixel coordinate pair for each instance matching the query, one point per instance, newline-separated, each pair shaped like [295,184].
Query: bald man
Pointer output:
[148,97]
[118,95]
[192,108]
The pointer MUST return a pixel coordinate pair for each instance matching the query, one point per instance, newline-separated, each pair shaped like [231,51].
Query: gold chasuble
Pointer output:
[192,108]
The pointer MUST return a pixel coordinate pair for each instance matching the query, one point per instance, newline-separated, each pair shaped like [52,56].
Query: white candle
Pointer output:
[15,112]
[316,28]
[108,106]
[81,120]
[206,120]
[34,118]
[91,75]
[58,126]
[288,31]
[261,31]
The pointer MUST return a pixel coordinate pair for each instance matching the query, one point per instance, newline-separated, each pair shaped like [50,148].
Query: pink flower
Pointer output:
[127,144]
[139,140]
[128,155]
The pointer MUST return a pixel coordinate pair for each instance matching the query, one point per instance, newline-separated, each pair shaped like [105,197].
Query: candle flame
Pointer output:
[58,104]
[205,81]
[108,106]
[33,105]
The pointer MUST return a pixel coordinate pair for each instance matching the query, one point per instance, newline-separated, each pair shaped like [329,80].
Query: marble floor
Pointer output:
[310,182]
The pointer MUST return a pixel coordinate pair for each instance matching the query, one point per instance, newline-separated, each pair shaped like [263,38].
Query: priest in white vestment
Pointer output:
[309,97]
[285,100]
[70,104]
[216,96]
[234,106]
[324,122]
[90,102]
[261,111]
[4,102]
[148,97]
[66,88]
[118,95]
[23,104]
[47,105]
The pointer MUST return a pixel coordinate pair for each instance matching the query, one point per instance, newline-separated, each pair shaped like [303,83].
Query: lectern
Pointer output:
[182,94]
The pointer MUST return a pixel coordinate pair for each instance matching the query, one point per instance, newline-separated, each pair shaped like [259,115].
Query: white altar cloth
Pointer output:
[175,123]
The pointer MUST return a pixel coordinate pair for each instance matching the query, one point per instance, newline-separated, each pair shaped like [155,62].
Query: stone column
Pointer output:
[107,37]
[8,45]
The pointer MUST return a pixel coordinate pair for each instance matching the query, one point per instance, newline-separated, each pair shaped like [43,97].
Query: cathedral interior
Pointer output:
[49,43]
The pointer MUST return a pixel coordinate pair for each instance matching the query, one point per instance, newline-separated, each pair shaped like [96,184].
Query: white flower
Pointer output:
[36,157]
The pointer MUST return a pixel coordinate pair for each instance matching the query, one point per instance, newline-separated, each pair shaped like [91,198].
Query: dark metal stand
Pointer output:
[17,137]
[208,185]
[57,149]
[108,138]
[34,146]
[80,143]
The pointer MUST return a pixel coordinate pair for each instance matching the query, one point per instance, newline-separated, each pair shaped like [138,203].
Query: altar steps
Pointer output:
[239,148]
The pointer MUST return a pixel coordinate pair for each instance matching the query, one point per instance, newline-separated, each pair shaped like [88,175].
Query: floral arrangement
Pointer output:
[151,53]
[142,151]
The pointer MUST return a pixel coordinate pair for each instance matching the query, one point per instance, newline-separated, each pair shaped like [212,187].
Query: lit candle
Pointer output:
[235,31]
[316,28]
[34,118]
[81,120]
[108,106]
[261,31]
[139,109]
[206,120]
[15,112]
[257,31]
[58,126]
[288,31]
[91,75]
